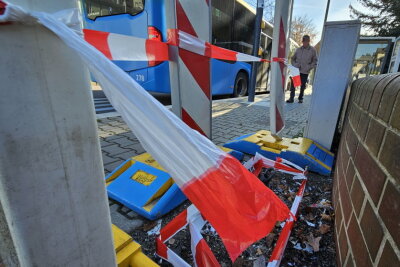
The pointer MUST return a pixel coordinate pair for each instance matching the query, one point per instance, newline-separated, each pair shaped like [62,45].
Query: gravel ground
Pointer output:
[311,242]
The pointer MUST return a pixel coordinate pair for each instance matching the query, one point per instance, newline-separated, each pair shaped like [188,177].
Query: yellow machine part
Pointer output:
[300,145]
[128,252]
[269,143]
[148,159]
[119,171]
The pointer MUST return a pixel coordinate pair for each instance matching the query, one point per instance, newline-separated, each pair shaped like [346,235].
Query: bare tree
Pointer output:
[269,6]
[303,25]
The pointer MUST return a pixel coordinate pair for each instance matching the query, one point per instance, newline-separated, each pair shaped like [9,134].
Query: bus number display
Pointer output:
[139,77]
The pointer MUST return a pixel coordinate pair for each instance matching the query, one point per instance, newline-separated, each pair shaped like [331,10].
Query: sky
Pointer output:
[315,9]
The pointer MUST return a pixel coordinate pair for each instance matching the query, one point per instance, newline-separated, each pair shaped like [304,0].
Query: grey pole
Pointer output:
[256,45]
[54,209]
[327,11]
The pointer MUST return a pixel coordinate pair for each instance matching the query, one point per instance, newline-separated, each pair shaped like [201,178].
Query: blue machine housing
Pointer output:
[142,185]
[301,151]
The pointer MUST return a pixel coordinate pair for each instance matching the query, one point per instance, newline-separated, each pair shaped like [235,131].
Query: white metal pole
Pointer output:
[54,208]
[280,48]
[174,60]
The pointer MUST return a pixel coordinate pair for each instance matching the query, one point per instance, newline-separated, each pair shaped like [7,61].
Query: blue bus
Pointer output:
[232,24]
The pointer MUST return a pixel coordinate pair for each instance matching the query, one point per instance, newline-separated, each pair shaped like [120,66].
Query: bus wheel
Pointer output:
[241,83]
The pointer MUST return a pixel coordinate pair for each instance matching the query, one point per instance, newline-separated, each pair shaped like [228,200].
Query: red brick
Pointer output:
[350,172]
[363,125]
[390,155]
[389,211]
[375,134]
[395,120]
[345,201]
[377,95]
[345,159]
[358,246]
[388,257]
[338,164]
[371,174]
[356,116]
[358,86]
[338,215]
[335,190]
[350,117]
[369,90]
[354,89]
[372,230]
[343,245]
[388,99]
[350,262]
[352,141]
[357,196]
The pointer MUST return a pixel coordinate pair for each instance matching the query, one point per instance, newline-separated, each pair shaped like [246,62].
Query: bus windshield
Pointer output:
[100,8]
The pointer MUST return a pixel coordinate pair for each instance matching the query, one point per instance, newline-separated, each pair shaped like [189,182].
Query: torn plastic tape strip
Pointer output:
[202,254]
[295,74]
[258,162]
[123,47]
[169,255]
[280,246]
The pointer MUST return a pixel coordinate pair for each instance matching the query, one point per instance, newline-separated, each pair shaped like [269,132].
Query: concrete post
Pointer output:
[54,209]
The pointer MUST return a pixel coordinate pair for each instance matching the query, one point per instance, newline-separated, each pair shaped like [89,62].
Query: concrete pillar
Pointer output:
[54,209]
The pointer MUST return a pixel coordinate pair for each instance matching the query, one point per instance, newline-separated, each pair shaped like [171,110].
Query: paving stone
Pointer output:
[110,167]
[120,219]
[136,147]
[108,160]
[125,142]
[114,150]
[104,143]
[129,154]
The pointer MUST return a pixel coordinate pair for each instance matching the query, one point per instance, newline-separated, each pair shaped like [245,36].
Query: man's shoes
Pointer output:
[300,100]
[289,100]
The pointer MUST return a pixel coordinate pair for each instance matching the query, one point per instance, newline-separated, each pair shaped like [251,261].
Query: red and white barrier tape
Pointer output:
[280,246]
[123,47]
[256,164]
[202,254]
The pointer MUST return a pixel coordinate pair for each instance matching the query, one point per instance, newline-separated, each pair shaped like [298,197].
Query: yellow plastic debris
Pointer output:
[128,252]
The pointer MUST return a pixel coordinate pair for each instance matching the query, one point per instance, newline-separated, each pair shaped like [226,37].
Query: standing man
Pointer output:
[305,58]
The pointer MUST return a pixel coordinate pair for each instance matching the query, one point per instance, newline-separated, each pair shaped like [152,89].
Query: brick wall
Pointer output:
[366,190]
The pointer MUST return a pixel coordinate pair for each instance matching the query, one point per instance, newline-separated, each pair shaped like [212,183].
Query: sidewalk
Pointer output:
[230,118]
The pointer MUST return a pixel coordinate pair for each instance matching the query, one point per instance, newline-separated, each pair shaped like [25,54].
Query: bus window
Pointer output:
[100,8]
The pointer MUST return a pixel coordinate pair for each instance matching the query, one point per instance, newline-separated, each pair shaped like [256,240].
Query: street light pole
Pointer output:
[53,204]
[256,46]
[327,11]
